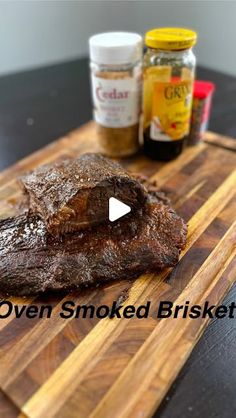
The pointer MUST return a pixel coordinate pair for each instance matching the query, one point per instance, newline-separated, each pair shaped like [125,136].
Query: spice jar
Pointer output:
[169,67]
[202,98]
[116,78]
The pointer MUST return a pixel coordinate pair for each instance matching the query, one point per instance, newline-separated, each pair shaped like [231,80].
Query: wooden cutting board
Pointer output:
[123,367]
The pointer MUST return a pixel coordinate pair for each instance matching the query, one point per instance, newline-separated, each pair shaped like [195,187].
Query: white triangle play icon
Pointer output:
[117,209]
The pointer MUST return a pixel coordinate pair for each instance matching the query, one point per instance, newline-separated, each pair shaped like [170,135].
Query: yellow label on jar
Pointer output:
[171,110]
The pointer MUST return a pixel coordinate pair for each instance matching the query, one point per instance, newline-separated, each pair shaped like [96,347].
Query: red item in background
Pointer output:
[202,98]
[202,89]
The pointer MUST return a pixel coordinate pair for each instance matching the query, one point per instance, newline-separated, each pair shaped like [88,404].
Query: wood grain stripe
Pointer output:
[220,141]
[189,194]
[15,301]
[211,208]
[7,408]
[173,167]
[67,375]
[106,331]
[13,361]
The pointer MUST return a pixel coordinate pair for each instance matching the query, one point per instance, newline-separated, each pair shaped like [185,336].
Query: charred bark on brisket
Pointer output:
[32,260]
[73,194]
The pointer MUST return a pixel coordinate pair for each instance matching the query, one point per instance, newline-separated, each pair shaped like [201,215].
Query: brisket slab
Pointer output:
[73,194]
[32,260]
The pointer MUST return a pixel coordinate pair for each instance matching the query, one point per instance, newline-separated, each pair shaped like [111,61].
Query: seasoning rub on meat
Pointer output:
[37,253]
[32,260]
[73,194]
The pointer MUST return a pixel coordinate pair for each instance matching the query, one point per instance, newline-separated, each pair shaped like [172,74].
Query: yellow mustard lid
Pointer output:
[170,38]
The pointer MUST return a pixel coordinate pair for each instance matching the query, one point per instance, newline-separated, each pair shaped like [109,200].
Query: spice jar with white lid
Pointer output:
[116,79]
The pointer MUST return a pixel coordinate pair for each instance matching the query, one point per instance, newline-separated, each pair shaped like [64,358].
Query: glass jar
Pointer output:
[116,78]
[169,70]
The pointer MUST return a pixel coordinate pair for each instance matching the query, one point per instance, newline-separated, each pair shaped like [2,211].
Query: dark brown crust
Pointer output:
[73,194]
[33,261]
[152,188]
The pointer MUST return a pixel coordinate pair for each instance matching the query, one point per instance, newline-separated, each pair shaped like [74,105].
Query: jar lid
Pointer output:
[170,38]
[115,48]
[203,89]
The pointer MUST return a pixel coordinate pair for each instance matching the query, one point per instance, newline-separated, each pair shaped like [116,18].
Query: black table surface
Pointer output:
[39,106]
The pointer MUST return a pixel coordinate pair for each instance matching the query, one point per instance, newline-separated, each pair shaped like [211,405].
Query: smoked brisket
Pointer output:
[73,194]
[32,260]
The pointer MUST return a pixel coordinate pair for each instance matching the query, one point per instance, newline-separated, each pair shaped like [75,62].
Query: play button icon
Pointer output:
[117,209]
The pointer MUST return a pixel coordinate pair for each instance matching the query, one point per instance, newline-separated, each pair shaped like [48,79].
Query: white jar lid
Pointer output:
[115,48]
